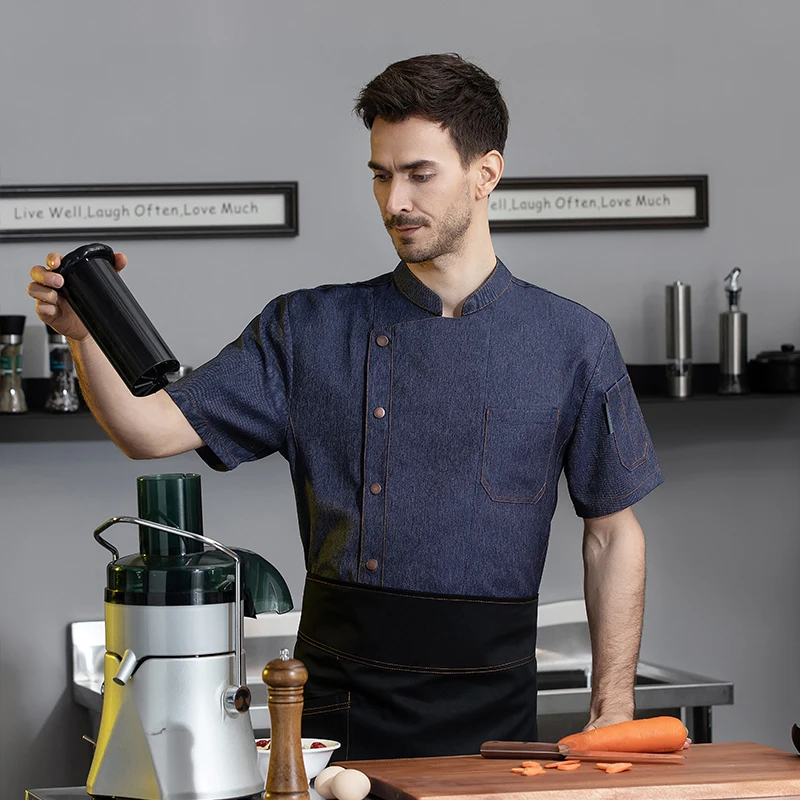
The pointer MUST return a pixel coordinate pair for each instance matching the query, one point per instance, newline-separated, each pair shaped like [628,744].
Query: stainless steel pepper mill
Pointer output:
[679,339]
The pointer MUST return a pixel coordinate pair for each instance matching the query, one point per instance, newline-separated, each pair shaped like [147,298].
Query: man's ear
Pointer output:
[490,169]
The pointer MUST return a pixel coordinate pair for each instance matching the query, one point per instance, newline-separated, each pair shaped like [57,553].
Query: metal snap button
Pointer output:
[375,488]
[372,564]
[382,341]
[379,413]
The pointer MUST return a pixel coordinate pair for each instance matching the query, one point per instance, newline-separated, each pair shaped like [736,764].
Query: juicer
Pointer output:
[175,722]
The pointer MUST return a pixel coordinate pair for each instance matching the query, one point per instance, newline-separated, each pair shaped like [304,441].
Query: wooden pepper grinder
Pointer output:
[286,778]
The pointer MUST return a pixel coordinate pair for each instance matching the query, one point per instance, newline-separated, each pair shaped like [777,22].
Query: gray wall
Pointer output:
[201,91]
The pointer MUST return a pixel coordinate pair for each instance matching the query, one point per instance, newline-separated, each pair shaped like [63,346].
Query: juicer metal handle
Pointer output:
[238,661]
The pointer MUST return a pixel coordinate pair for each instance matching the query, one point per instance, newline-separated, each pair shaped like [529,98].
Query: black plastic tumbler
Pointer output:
[108,309]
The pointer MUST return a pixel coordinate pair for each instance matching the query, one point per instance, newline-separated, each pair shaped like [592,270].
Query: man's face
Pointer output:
[423,191]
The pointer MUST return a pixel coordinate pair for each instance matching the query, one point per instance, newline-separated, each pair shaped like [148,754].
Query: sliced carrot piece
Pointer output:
[552,765]
[518,770]
[622,766]
[531,764]
[569,766]
[602,766]
[533,770]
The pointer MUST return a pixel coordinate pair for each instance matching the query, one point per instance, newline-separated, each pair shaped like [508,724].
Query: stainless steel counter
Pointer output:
[563,656]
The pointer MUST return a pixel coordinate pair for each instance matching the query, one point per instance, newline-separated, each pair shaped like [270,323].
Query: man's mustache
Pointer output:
[404,221]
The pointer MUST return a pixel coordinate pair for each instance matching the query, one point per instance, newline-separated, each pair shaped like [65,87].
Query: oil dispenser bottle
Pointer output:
[733,340]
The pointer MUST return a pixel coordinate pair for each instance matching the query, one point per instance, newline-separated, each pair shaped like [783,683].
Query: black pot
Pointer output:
[776,370]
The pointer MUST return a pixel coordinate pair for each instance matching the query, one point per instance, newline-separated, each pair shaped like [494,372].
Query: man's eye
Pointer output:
[421,177]
[378,176]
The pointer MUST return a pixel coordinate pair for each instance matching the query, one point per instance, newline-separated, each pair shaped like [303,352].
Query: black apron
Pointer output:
[397,675]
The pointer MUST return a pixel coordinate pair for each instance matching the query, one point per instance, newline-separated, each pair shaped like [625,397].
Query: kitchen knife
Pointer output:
[546,750]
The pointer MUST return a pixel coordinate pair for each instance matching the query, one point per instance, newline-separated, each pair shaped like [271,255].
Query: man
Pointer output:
[426,416]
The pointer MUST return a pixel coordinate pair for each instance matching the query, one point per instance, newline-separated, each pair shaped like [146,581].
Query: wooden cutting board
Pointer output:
[711,772]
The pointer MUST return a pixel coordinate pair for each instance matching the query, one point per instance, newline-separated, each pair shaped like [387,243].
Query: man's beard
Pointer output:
[453,227]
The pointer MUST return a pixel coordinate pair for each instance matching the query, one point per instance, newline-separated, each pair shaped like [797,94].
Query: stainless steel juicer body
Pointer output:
[175,722]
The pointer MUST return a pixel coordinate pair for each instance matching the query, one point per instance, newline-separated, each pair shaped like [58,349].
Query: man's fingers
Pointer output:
[45,277]
[120,260]
[47,312]
[52,260]
[43,294]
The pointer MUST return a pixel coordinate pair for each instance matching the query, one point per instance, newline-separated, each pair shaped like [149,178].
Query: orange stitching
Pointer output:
[639,461]
[347,728]
[628,494]
[517,498]
[369,662]
[627,425]
[362,533]
[534,599]
[388,453]
[325,709]
[489,302]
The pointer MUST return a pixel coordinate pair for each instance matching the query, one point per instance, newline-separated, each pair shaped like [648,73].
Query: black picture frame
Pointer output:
[568,219]
[177,192]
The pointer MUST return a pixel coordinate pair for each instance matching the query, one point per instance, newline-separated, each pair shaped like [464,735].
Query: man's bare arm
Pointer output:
[614,579]
[142,427]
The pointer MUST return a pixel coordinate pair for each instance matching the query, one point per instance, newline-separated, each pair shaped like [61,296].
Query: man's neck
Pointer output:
[455,276]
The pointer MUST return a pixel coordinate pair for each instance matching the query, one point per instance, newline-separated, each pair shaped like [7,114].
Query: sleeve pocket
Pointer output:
[628,429]
[518,449]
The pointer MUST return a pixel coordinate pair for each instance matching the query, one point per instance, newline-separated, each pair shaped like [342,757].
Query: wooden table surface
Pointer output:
[711,772]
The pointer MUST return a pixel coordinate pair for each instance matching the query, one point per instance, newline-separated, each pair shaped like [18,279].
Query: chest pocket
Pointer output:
[518,453]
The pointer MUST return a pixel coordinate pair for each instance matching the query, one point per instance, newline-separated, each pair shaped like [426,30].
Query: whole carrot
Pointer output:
[650,735]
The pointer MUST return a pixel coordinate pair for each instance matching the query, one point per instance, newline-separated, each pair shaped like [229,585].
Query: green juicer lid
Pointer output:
[173,570]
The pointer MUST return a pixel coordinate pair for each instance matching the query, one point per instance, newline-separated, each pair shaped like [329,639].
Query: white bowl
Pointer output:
[314,759]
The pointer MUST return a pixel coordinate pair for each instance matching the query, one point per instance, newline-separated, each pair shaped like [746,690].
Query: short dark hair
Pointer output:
[443,88]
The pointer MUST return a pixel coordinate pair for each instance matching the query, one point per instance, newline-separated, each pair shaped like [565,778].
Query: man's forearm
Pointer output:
[142,427]
[614,578]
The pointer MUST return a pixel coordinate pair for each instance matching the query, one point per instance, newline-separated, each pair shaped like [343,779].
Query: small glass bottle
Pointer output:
[62,394]
[12,397]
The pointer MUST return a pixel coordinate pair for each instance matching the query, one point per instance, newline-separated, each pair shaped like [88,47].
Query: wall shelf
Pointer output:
[37,425]
[649,381]
[41,426]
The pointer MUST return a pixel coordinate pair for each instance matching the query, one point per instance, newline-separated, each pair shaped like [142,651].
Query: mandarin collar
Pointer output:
[419,294]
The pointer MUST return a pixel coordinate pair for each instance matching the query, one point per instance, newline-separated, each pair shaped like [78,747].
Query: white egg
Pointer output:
[350,784]
[322,783]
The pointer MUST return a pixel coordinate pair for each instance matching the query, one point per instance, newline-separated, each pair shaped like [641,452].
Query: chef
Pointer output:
[426,416]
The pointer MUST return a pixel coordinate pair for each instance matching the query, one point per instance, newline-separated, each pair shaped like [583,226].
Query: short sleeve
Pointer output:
[239,401]
[609,462]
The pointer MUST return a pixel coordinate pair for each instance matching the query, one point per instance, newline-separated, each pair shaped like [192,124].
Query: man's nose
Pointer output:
[399,199]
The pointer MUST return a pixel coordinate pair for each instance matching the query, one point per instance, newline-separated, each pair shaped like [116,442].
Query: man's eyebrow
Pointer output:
[421,164]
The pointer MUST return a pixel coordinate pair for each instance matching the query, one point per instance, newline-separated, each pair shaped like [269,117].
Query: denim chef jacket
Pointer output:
[425,451]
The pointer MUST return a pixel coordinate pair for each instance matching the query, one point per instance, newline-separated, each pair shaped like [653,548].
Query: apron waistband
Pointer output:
[415,632]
